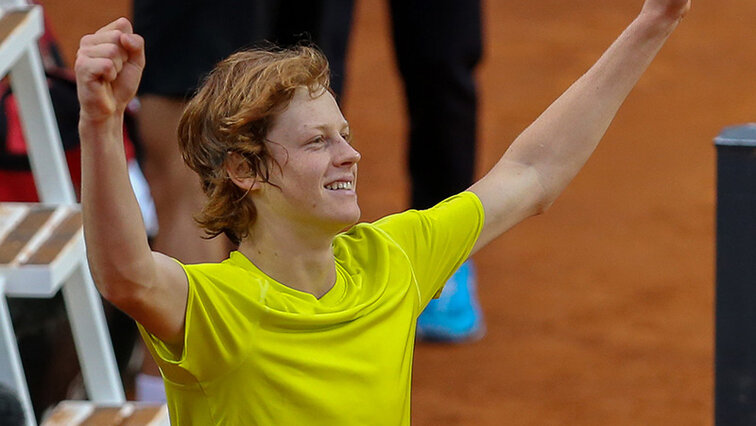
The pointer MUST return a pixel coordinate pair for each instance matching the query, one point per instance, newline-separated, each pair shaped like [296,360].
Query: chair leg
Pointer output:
[93,346]
[38,121]
[11,370]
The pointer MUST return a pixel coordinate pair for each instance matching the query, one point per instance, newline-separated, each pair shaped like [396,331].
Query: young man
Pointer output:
[306,324]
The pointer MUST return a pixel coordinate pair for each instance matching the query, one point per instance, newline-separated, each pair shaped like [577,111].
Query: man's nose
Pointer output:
[347,154]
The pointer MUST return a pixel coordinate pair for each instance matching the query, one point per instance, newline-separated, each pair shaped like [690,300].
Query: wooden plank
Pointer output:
[148,415]
[61,235]
[69,413]
[85,413]
[10,21]
[105,416]
[10,215]
[15,241]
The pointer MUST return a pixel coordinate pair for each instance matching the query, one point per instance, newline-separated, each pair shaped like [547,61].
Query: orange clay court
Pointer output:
[600,312]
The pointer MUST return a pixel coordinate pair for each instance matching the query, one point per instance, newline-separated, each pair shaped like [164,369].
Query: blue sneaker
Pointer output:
[456,315]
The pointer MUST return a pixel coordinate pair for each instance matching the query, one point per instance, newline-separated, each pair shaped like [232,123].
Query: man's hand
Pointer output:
[108,67]
[673,10]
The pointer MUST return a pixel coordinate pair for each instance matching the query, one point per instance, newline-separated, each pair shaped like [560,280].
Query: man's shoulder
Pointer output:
[377,232]
[228,275]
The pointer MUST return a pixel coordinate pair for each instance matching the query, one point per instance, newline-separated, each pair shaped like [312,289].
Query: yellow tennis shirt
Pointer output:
[257,352]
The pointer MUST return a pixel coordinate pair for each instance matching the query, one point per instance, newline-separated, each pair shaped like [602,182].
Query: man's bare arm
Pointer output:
[548,154]
[148,286]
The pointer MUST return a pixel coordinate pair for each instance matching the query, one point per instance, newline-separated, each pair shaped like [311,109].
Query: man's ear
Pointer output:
[240,172]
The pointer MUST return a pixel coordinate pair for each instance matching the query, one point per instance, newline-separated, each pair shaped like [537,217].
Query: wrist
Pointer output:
[654,25]
[100,124]
[662,19]
[100,118]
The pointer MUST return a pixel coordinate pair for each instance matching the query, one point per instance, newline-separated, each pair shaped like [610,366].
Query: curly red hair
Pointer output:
[232,113]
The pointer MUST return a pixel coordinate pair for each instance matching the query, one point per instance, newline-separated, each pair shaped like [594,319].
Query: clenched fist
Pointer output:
[108,67]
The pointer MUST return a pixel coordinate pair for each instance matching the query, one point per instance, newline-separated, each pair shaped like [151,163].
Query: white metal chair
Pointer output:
[42,245]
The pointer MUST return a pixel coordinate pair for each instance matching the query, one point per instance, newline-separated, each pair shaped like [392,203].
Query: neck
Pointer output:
[300,260]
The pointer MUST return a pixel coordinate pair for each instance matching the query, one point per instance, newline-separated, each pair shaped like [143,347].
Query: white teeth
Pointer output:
[339,185]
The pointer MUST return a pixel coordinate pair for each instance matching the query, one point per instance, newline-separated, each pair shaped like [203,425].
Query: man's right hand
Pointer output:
[108,68]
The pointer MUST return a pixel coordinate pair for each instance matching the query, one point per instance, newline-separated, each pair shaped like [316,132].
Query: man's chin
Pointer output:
[348,222]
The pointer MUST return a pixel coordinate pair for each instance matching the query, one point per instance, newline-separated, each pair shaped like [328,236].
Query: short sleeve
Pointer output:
[437,240]
[214,331]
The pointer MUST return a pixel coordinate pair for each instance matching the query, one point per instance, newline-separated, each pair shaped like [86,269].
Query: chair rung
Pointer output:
[38,233]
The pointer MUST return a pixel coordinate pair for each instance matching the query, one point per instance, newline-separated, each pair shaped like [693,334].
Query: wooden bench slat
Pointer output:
[67,229]
[105,416]
[69,413]
[15,241]
[151,415]
[10,215]
[10,21]
[85,413]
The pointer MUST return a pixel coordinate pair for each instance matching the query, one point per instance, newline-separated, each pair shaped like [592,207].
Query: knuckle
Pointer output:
[86,40]
[83,52]
[82,63]
[110,36]
[111,50]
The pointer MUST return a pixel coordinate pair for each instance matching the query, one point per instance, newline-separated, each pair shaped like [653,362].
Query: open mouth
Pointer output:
[338,186]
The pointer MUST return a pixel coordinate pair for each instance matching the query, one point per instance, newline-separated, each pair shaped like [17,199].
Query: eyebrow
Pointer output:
[323,127]
[306,133]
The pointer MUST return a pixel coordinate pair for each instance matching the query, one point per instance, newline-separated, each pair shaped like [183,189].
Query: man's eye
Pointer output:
[347,137]
[317,141]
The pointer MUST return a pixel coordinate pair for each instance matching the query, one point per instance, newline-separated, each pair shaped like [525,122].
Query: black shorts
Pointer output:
[184,39]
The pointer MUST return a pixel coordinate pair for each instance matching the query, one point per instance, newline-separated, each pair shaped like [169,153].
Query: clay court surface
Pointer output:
[601,311]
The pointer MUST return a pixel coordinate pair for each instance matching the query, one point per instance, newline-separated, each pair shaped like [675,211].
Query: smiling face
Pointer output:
[315,184]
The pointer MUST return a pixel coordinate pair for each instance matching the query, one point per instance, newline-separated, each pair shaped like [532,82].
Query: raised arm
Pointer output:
[148,286]
[548,154]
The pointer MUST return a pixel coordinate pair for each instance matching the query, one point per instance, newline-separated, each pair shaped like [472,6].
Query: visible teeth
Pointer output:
[339,185]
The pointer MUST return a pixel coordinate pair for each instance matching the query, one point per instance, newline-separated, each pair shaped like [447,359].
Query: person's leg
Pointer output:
[183,41]
[334,40]
[438,45]
[327,23]
[174,187]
